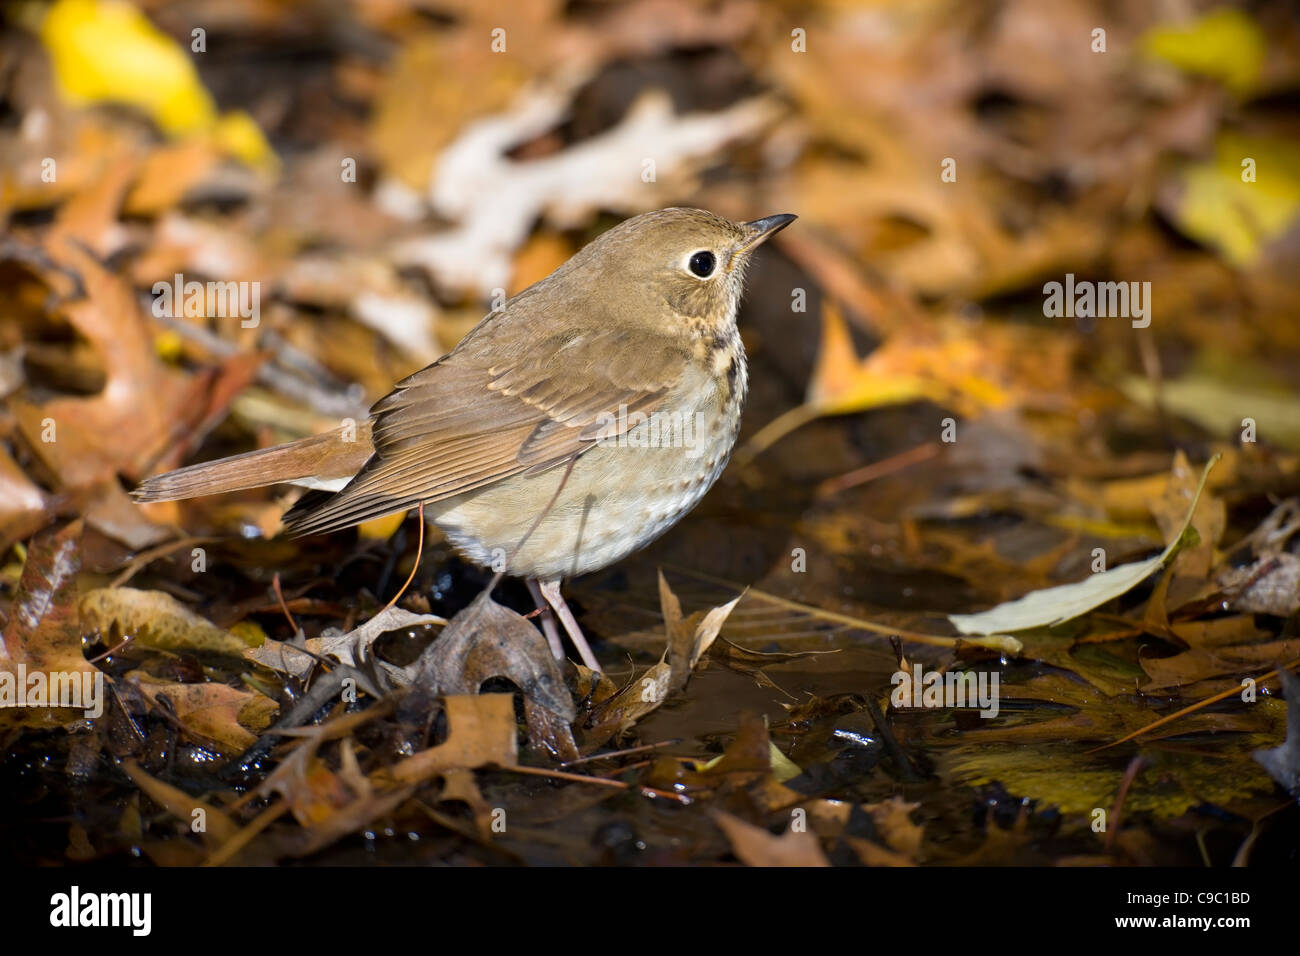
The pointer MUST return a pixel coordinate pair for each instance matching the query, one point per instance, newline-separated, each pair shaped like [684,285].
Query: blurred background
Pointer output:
[924,427]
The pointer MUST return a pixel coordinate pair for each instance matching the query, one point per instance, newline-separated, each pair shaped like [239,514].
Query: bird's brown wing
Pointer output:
[480,415]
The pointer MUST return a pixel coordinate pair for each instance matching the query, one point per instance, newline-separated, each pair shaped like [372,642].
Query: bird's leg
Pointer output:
[551,591]
[548,619]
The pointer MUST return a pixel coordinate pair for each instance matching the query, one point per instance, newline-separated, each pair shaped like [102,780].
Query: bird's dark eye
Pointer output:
[702,264]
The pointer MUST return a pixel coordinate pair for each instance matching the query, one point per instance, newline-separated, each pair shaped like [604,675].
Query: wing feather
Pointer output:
[478,416]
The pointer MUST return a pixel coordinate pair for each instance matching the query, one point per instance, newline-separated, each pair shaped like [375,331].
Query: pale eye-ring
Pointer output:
[702,263]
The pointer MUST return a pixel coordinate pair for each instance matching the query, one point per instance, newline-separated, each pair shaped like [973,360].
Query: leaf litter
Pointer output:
[757,727]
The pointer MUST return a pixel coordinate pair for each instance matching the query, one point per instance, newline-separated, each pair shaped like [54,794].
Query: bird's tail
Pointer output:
[319,461]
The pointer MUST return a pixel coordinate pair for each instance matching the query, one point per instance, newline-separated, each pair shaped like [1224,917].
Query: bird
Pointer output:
[569,428]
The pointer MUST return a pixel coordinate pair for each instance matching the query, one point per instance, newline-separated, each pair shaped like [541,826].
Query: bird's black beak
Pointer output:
[761,230]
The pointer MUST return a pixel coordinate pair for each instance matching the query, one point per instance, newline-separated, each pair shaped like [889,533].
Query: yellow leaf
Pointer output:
[237,135]
[843,383]
[1225,44]
[107,51]
[155,619]
[1236,217]
[783,768]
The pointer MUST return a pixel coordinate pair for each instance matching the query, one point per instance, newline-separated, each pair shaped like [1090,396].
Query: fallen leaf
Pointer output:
[481,733]
[43,633]
[128,425]
[217,828]
[1053,606]
[893,818]
[212,712]
[755,846]
[1226,44]
[487,640]
[155,619]
[353,648]
[688,639]
[1274,591]
[1211,202]
[108,51]
[23,506]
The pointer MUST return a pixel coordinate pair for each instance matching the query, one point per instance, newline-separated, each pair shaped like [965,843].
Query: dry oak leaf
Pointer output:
[144,404]
[483,733]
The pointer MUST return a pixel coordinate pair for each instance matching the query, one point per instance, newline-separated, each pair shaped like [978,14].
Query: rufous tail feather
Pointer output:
[334,455]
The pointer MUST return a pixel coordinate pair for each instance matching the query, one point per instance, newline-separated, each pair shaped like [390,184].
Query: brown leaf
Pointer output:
[1209,519]
[755,846]
[218,827]
[744,661]
[44,630]
[482,733]
[23,506]
[214,713]
[1201,663]
[487,640]
[131,422]
[893,818]
[640,696]
[690,638]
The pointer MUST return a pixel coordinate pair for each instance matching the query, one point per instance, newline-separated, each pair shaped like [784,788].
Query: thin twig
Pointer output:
[621,753]
[419,552]
[997,642]
[598,781]
[877,469]
[279,596]
[1191,709]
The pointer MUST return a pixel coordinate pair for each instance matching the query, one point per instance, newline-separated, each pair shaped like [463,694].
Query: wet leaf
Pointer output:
[213,713]
[689,639]
[1061,777]
[1056,605]
[43,633]
[1270,585]
[482,733]
[217,828]
[755,846]
[155,619]
[353,648]
[487,640]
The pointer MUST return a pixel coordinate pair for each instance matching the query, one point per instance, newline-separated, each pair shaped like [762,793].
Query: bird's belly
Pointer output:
[619,497]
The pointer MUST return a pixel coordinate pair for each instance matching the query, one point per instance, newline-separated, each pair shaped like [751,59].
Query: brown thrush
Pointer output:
[569,428]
